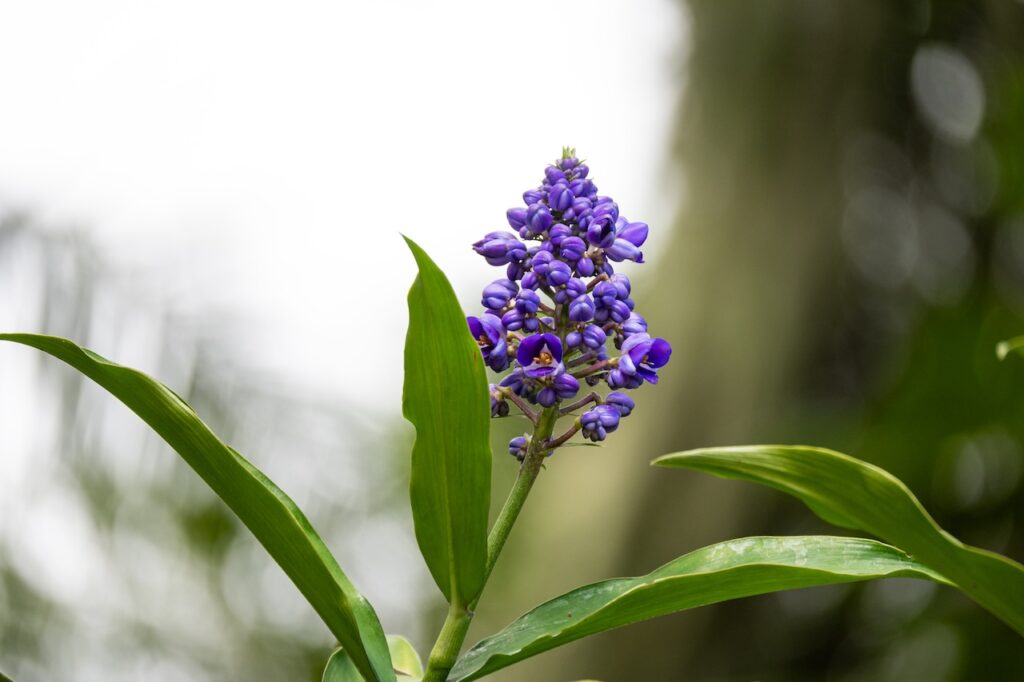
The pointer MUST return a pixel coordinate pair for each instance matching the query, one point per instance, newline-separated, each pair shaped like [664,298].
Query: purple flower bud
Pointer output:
[616,378]
[530,280]
[567,163]
[585,267]
[541,263]
[500,248]
[527,302]
[518,446]
[516,217]
[580,204]
[622,286]
[605,207]
[594,337]
[498,293]
[620,401]
[533,196]
[573,339]
[574,288]
[554,175]
[546,396]
[581,170]
[605,294]
[557,233]
[513,320]
[560,274]
[560,197]
[538,218]
[621,250]
[540,355]
[565,386]
[572,249]
[599,422]
[618,311]
[581,309]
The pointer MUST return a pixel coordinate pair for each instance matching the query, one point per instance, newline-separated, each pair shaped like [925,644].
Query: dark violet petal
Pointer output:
[659,353]
[648,375]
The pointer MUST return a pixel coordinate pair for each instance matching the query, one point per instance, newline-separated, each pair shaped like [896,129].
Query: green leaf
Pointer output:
[853,494]
[404,659]
[271,515]
[1014,345]
[728,570]
[445,398]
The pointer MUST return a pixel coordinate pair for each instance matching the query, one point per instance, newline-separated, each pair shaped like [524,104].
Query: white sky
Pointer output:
[263,158]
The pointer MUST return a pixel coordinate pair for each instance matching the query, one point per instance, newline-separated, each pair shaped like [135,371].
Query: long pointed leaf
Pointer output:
[728,570]
[271,515]
[445,398]
[853,494]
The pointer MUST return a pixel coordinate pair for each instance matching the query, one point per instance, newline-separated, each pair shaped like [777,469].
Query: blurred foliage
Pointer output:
[162,581]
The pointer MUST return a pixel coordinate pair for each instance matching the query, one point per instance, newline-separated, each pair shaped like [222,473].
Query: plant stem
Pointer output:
[528,473]
[456,625]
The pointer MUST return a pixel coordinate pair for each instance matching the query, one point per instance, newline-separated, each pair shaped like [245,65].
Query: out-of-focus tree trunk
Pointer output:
[756,286]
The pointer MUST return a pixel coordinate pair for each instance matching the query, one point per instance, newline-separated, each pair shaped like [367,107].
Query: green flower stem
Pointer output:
[456,625]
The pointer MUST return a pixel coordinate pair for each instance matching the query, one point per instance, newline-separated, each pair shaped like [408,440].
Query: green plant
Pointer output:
[451,471]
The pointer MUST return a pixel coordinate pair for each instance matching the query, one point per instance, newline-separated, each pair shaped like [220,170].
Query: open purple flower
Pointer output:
[643,356]
[540,355]
[490,336]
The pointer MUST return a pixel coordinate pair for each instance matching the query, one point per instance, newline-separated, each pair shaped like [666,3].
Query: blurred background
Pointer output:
[213,192]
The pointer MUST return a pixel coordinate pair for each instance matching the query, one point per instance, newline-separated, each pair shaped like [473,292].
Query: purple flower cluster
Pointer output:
[551,317]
